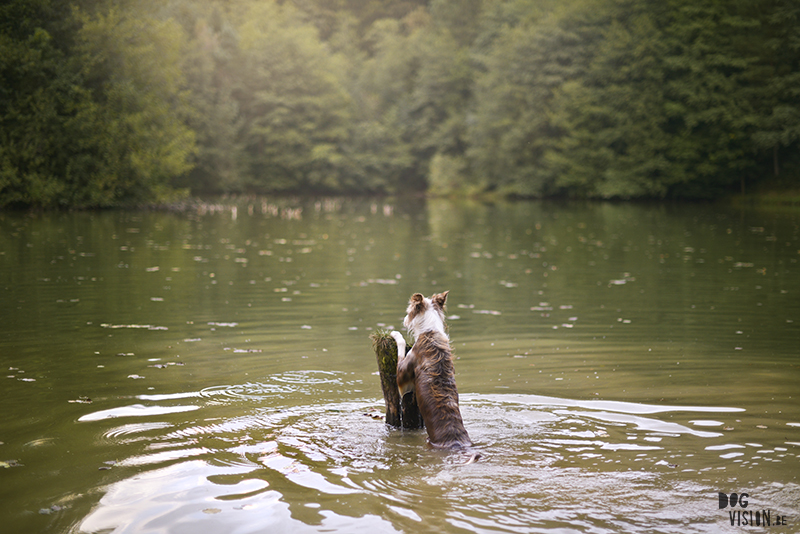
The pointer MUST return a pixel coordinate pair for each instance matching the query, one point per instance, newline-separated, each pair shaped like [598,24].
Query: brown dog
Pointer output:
[428,370]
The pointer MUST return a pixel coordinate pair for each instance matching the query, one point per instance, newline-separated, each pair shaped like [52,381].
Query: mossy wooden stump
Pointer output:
[400,412]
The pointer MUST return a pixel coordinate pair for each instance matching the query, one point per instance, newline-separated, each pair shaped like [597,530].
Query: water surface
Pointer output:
[211,371]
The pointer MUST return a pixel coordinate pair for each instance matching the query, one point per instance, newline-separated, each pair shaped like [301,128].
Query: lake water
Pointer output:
[211,371]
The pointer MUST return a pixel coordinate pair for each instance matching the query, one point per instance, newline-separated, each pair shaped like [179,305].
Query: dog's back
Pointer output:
[428,370]
[437,396]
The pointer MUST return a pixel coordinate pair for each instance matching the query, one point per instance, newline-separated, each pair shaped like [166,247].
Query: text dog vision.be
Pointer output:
[743,518]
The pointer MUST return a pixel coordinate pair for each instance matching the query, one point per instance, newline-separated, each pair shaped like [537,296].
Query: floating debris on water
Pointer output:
[626,277]
[380,281]
[108,465]
[134,326]
[164,365]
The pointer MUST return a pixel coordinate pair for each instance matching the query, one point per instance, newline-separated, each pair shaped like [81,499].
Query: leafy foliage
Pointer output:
[114,102]
[93,120]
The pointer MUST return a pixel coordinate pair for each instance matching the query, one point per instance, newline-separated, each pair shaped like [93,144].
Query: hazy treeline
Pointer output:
[112,102]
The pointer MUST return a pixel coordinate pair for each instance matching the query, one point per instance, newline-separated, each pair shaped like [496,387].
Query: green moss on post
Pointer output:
[400,412]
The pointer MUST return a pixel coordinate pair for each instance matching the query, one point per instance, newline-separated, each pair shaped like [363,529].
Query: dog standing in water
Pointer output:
[428,371]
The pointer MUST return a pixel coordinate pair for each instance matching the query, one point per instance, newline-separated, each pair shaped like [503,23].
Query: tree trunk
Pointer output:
[400,412]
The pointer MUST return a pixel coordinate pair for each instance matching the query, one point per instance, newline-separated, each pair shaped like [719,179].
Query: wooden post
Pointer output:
[400,412]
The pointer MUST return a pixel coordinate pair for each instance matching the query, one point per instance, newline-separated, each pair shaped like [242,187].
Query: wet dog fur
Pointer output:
[428,371]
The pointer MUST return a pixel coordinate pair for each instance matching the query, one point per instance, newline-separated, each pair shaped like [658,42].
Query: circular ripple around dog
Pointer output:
[248,391]
[308,378]
[134,428]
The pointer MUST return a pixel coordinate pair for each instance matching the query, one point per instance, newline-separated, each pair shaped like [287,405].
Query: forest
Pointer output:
[108,103]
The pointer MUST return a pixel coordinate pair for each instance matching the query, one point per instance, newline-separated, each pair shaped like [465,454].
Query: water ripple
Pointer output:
[248,391]
[123,431]
[314,466]
[279,385]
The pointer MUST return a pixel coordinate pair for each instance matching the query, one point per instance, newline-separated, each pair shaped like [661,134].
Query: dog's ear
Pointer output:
[440,299]
[416,304]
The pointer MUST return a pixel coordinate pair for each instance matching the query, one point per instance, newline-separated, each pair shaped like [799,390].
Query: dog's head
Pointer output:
[425,314]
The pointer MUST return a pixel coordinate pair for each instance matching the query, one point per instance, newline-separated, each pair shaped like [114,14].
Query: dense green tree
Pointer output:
[511,130]
[611,117]
[133,134]
[778,100]
[112,102]
[211,62]
[37,94]
[296,110]
[645,99]
[382,92]
[708,107]
[415,89]
[91,118]
[434,118]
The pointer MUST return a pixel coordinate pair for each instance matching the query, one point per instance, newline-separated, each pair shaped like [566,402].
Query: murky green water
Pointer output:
[619,366]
